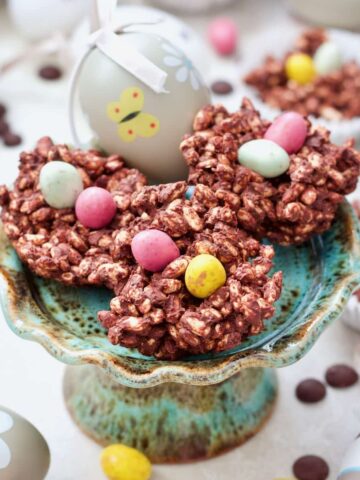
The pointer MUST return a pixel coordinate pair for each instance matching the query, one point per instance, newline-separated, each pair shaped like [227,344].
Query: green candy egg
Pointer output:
[327,58]
[60,184]
[264,157]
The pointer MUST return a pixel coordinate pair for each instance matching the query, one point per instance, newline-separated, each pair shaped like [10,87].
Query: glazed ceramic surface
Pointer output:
[318,279]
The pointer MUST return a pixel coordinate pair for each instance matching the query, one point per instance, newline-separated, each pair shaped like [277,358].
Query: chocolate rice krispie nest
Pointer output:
[334,96]
[287,209]
[151,312]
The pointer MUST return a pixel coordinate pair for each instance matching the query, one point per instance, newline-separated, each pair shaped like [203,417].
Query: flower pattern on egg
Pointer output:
[6,424]
[185,69]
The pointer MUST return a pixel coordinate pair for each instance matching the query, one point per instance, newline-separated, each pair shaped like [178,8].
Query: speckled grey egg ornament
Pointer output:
[128,117]
[24,454]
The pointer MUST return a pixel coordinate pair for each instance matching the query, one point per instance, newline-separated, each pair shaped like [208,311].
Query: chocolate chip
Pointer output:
[2,110]
[311,467]
[310,391]
[341,376]
[4,127]
[11,139]
[50,72]
[222,87]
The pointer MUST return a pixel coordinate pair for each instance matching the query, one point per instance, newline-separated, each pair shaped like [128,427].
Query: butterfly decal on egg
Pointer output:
[128,115]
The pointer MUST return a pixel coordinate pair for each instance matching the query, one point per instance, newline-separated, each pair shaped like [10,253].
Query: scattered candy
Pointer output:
[4,127]
[264,157]
[95,207]
[310,391]
[300,68]
[222,87]
[327,58]
[289,130]
[341,376]
[2,110]
[60,184]
[50,72]
[204,275]
[311,467]
[222,33]
[11,139]
[154,249]
[190,192]
[120,462]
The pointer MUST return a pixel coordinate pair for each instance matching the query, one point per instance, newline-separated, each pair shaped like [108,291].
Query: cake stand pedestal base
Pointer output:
[171,422]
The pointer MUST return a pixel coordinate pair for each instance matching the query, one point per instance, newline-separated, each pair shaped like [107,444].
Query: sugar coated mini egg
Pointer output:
[289,130]
[222,33]
[204,275]
[60,184]
[154,249]
[190,192]
[327,58]
[264,157]
[300,68]
[120,462]
[95,207]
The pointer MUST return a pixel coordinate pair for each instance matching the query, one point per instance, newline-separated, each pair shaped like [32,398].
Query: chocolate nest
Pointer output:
[151,312]
[288,209]
[334,96]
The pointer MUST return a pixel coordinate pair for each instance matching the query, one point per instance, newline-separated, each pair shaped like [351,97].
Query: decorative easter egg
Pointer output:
[23,449]
[327,58]
[264,157]
[39,19]
[204,275]
[190,192]
[120,462]
[289,130]
[300,68]
[176,31]
[154,249]
[130,118]
[222,33]
[350,466]
[95,207]
[60,184]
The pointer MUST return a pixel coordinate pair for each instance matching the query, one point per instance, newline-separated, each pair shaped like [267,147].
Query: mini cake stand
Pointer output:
[200,406]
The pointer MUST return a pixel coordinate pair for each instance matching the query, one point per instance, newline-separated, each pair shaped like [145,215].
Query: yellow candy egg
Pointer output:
[120,462]
[204,274]
[300,68]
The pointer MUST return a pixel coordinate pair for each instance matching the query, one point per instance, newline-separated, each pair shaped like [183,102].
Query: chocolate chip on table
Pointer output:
[310,467]
[310,391]
[222,87]
[2,110]
[50,72]
[4,127]
[11,139]
[341,376]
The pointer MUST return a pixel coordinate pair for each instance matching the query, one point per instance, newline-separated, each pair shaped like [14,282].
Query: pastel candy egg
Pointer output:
[95,207]
[327,58]
[289,131]
[189,192]
[120,462]
[204,275]
[60,184]
[300,68]
[222,33]
[264,157]
[154,249]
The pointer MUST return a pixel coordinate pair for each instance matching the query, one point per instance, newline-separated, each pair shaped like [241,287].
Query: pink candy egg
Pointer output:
[154,249]
[289,130]
[222,33]
[95,207]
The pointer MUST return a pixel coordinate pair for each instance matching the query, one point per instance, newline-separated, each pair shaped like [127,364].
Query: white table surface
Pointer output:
[31,380]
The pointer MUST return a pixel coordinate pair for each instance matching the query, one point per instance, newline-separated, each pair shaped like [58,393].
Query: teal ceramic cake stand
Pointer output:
[200,406]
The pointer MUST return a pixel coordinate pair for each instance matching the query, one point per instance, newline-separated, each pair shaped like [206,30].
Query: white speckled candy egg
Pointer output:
[60,184]
[23,451]
[129,118]
[327,58]
[264,157]
[350,468]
